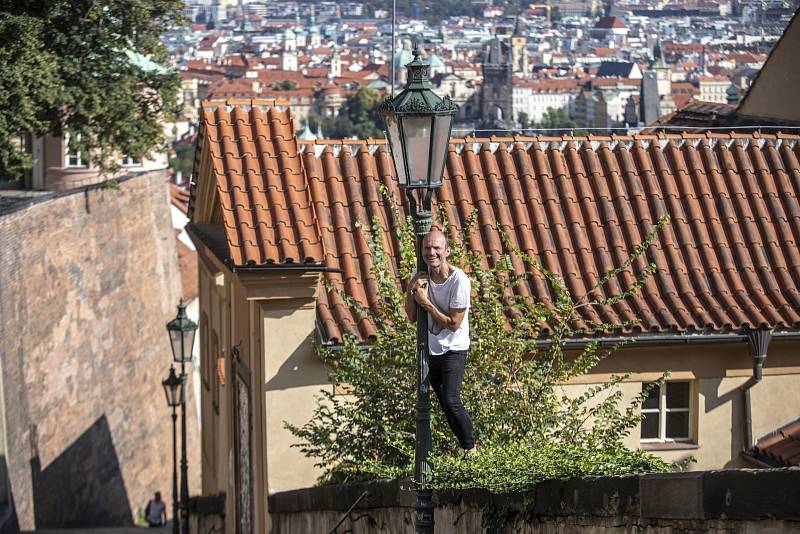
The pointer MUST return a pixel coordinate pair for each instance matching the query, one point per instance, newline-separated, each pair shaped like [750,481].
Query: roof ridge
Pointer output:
[713,137]
[260,102]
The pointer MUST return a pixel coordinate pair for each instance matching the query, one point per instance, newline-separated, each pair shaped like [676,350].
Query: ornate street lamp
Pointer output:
[181,336]
[173,388]
[418,124]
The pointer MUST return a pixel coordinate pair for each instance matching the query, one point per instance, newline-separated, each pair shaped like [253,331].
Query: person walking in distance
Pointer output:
[444,292]
[156,511]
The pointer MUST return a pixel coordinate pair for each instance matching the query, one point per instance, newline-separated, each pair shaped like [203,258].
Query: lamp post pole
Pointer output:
[181,333]
[174,471]
[174,390]
[421,216]
[184,463]
[418,124]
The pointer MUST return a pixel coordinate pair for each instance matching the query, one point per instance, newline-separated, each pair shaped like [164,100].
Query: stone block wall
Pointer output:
[730,501]
[88,280]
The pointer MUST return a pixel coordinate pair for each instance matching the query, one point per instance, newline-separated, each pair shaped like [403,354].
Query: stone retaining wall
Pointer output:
[88,280]
[731,501]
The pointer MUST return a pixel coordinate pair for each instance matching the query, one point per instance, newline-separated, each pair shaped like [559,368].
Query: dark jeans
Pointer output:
[447,373]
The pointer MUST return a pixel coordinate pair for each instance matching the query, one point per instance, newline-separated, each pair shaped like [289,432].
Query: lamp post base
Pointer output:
[424,512]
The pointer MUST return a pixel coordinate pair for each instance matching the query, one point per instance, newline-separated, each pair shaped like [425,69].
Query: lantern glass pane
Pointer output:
[174,394]
[188,343]
[417,131]
[393,135]
[176,339]
[173,389]
[441,131]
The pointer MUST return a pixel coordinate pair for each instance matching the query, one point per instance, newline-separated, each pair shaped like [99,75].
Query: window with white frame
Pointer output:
[667,411]
[73,157]
[130,161]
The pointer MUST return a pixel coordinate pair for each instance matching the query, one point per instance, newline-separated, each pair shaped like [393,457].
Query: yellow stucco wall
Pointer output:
[271,322]
[717,373]
[294,375]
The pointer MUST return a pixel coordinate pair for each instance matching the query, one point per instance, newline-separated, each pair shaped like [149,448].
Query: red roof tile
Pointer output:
[781,448]
[727,260]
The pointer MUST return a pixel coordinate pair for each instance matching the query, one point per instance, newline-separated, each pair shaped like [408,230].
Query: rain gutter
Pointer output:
[758,342]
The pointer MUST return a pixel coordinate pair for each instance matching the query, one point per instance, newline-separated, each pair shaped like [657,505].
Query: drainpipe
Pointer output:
[758,341]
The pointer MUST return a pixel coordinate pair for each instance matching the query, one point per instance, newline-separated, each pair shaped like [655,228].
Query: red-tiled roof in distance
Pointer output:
[606,23]
[179,197]
[231,88]
[728,259]
[781,448]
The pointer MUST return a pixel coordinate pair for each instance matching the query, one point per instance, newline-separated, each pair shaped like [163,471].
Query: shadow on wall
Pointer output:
[83,486]
[734,397]
[302,368]
[8,516]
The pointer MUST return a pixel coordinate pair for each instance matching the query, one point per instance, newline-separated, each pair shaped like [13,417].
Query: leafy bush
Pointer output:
[527,430]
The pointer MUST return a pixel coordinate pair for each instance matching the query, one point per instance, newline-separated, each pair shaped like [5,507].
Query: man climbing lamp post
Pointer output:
[181,335]
[418,124]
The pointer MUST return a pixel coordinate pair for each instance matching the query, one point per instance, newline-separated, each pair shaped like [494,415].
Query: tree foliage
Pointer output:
[512,389]
[358,117]
[557,121]
[93,68]
[524,120]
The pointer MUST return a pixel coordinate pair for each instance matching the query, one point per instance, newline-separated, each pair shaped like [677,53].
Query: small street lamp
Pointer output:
[418,125]
[181,335]
[173,388]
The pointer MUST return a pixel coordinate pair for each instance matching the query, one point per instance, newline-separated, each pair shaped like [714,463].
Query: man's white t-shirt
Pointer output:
[453,293]
[156,509]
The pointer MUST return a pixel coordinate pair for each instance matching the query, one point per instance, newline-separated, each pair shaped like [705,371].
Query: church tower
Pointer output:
[519,50]
[336,63]
[496,91]
[289,54]
[662,70]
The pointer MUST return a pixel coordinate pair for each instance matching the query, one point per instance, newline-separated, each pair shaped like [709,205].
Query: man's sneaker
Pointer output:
[470,453]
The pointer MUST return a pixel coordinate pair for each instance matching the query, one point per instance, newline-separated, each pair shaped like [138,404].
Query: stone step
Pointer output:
[107,530]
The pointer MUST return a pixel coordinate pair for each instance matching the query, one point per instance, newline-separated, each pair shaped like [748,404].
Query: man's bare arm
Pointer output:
[418,284]
[451,320]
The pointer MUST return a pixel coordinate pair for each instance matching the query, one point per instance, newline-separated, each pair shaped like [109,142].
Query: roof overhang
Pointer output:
[212,238]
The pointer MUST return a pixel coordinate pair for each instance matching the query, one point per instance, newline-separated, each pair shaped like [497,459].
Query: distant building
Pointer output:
[713,89]
[496,103]
[534,97]
[619,69]
[591,110]
[610,28]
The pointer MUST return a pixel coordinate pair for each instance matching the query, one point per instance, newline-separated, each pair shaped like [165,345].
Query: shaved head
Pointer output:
[436,236]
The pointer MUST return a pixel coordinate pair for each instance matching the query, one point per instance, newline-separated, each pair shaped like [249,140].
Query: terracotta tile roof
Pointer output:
[727,260]
[266,208]
[781,448]
[696,115]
